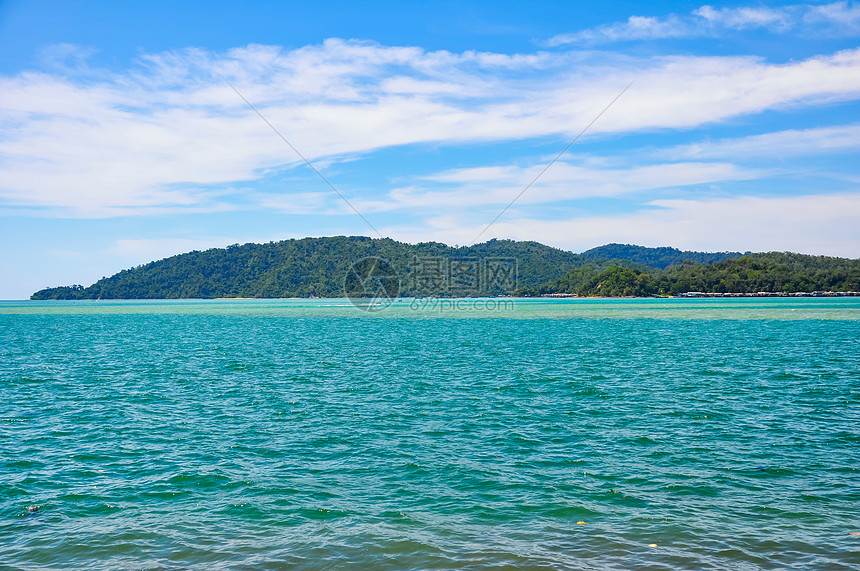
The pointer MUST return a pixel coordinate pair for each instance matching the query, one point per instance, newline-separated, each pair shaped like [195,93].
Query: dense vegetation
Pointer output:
[301,268]
[770,272]
[774,272]
[655,257]
[318,266]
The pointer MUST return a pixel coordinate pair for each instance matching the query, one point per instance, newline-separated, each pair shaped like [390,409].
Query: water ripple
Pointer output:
[265,435]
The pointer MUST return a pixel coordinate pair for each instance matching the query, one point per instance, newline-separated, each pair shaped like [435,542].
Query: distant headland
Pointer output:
[318,267]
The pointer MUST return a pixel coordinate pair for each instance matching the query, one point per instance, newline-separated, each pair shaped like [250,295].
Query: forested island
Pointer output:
[772,272]
[317,266]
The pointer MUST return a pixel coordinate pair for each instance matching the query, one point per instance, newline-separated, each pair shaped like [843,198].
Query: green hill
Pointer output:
[771,272]
[775,272]
[655,257]
[300,268]
[318,267]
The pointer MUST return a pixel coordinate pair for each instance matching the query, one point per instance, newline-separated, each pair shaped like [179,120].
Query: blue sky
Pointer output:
[121,140]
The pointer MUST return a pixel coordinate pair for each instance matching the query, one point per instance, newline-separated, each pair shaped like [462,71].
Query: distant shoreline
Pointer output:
[342,265]
[690,295]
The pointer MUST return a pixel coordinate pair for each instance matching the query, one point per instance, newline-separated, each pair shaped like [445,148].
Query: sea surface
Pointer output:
[513,434]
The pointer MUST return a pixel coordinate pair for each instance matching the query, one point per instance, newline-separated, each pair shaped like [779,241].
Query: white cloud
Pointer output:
[682,92]
[806,19]
[487,186]
[320,203]
[824,225]
[837,17]
[634,28]
[169,134]
[744,17]
[777,145]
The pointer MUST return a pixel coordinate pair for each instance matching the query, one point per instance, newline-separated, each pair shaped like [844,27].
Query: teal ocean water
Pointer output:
[546,434]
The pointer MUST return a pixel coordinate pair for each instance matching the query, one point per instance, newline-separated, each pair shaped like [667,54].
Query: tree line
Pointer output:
[774,272]
[318,266]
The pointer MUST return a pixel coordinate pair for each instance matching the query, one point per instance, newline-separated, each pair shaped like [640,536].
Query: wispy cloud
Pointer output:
[813,224]
[778,145]
[494,186]
[634,28]
[773,19]
[838,18]
[169,134]
[835,19]
[319,203]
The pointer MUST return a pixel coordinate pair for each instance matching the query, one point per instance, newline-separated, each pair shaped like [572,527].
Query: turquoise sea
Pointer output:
[535,434]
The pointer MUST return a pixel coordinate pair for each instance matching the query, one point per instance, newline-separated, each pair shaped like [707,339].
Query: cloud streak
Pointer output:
[778,145]
[169,134]
[835,19]
[487,186]
[813,224]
